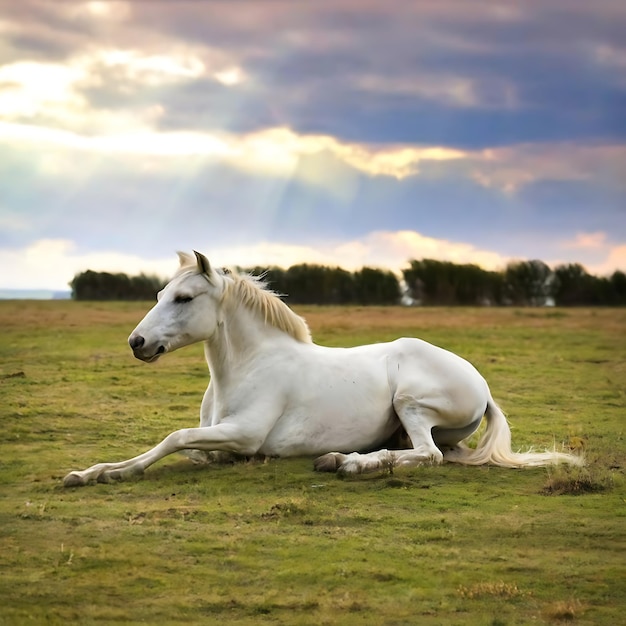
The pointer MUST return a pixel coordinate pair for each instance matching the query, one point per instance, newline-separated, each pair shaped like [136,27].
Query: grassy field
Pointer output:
[276,543]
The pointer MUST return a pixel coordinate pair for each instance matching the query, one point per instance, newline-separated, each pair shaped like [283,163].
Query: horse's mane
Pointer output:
[253,293]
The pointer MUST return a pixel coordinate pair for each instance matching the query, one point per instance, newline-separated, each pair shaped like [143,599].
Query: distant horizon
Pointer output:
[35,294]
[65,294]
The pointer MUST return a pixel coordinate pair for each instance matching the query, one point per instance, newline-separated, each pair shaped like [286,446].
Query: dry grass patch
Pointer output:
[497,589]
[563,611]
[570,480]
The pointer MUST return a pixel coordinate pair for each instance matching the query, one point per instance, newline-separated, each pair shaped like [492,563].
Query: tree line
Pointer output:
[92,285]
[521,283]
[423,282]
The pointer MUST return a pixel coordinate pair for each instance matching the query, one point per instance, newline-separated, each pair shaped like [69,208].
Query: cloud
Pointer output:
[63,94]
[395,249]
[389,250]
[275,150]
[141,69]
[595,252]
[456,91]
[109,10]
[279,150]
[598,252]
[52,263]
[157,190]
[512,168]
[597,261]
[30,88]
[265,96]
[465,76]
[587,241]
[615,260]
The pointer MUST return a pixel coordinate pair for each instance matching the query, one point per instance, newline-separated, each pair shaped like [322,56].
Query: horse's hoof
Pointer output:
[74,479]
[329,462]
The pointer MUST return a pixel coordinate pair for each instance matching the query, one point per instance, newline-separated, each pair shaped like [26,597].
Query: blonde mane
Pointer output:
[252,292]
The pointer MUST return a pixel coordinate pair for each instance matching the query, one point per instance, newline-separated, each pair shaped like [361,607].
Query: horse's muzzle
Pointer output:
[143,352]
[136,342]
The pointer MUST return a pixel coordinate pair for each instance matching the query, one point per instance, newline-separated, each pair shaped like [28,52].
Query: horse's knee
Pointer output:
[356,463]
[330,462]
[412,458]
[119,474]
[74,479]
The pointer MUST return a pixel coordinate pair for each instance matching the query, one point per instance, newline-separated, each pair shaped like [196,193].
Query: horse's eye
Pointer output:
[182,299]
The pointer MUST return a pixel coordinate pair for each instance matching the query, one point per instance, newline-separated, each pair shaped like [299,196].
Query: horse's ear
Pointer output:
[203,264]
[185,259]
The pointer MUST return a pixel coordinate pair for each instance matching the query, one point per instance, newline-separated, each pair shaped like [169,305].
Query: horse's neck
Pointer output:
[238,338]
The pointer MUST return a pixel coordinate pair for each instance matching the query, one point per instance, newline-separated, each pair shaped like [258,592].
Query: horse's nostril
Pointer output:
[136,342]
[161,350]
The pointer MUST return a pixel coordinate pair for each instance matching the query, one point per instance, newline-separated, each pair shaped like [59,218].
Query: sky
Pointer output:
[343,132]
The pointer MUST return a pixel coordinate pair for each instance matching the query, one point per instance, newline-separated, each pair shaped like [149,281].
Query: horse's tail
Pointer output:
[495,447]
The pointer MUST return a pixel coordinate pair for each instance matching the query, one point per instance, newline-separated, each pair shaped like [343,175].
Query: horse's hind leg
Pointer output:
[418,422]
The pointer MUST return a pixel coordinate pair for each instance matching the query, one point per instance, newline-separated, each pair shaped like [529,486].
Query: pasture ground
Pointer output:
[275,543]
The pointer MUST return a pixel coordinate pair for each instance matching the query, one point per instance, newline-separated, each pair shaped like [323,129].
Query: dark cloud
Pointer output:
[44,31]
[559,90]
[533,69]
[211,106]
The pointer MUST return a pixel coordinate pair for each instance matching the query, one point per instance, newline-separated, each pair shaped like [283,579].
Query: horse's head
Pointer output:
[186,310]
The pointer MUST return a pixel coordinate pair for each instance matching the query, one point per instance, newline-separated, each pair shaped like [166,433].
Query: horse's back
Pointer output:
[429,362]
[404,366]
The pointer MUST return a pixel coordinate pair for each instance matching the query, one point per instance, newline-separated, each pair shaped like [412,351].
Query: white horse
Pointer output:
[274,392]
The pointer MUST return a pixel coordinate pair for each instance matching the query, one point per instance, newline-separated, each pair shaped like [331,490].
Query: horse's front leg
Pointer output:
[208,417]
[227,436]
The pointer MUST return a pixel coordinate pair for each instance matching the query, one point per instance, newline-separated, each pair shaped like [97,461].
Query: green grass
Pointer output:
[275,543]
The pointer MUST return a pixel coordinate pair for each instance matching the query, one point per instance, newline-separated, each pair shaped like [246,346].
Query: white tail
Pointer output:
[495,447]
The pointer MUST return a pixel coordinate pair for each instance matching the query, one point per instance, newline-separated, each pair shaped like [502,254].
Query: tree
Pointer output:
[318,284]
[618,287]
[528,283]
[375,286]
[572,285]
[444,283]
[90,285]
